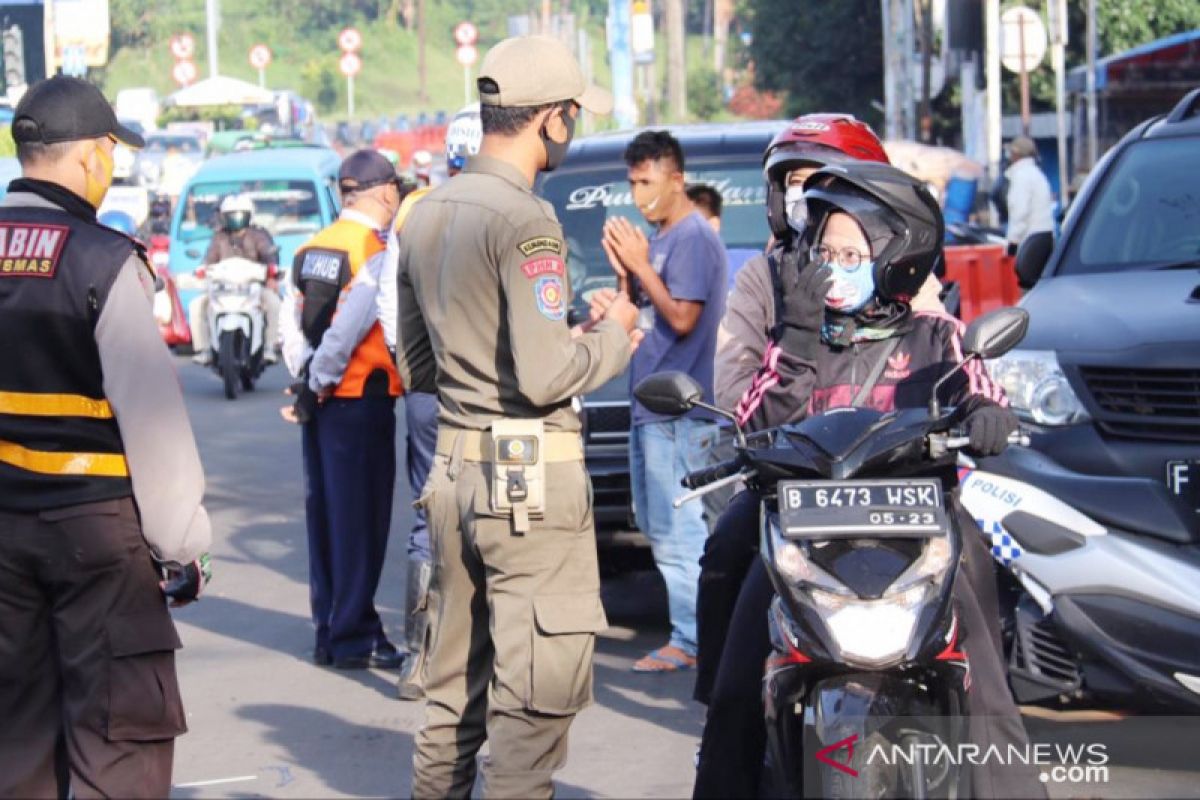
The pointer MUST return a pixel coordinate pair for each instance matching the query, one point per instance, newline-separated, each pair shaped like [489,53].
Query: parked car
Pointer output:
[1107,381]
[295,195]
[167,152]
[589,188]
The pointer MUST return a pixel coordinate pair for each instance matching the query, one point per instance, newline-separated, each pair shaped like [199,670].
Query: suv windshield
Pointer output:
[584,199]
[1146,213]
[282,207]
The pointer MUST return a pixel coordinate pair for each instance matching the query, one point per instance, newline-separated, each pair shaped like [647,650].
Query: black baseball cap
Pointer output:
[66,109]
[364,169]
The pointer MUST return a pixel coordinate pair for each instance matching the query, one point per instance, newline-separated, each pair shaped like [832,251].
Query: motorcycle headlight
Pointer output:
[872,632]
[1037,388]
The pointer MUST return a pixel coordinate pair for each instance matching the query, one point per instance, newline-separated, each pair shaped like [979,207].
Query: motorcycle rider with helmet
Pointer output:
[807,144]
[871,237]
[158,221]
[239,238]
[463,138]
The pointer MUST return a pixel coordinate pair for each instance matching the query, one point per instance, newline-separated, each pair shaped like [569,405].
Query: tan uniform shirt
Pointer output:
[483,296]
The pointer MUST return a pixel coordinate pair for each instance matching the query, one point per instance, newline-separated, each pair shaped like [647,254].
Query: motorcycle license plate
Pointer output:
[869,508]
[1183,479]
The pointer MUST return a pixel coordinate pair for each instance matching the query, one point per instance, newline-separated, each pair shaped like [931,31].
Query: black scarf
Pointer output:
[70,202]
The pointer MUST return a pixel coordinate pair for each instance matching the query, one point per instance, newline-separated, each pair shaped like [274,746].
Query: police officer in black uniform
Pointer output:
[101,521]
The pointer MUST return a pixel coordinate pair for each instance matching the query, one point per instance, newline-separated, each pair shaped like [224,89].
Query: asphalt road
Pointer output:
[264,721]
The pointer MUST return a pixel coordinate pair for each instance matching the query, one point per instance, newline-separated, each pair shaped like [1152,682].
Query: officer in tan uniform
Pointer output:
[483,296]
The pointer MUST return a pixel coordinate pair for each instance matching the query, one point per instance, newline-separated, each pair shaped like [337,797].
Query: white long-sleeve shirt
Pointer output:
[1030,202]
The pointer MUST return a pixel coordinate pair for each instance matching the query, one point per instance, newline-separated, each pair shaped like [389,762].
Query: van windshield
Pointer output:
[282,207]
[1146,213]
[584,199]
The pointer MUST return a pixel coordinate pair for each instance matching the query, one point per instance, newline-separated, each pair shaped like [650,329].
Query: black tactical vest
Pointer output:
[59,442]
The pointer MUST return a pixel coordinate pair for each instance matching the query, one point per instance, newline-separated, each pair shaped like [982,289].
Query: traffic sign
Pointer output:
[350,64]
[350,40]
[1022,39]
[260,56]
[184,72]
[466,54]
[465,33]
[183,46]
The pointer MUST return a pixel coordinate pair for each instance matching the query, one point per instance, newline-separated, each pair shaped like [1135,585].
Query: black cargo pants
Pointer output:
[89,700]
[734,741]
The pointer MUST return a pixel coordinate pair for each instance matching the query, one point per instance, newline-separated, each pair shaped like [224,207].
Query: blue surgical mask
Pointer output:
[851,290]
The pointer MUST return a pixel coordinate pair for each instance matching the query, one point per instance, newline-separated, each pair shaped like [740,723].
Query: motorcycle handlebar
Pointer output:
[956,439]
[703,477]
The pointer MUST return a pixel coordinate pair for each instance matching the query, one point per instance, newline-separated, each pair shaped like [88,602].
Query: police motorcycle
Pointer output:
[1094,612]
[236,321]
[862,550]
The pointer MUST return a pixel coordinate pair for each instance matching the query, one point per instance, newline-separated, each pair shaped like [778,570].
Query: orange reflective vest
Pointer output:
[359,243]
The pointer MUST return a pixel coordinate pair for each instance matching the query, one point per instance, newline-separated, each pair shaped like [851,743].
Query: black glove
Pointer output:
[989,428]
[1011,250]
[799,332]
[306,401]
[186,583]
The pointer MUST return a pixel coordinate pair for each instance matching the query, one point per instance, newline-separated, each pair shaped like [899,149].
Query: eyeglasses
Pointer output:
[847,258]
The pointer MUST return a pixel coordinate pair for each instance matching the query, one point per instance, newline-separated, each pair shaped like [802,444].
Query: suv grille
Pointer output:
[608,423]
[1146,403]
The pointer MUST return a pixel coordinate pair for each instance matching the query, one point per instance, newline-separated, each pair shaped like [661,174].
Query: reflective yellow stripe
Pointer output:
[36,404]
[103,465]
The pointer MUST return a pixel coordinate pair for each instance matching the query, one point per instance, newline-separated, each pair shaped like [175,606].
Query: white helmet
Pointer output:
[463,137]
[236,211]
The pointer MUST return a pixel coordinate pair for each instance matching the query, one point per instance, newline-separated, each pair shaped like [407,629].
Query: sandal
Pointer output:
[665,659]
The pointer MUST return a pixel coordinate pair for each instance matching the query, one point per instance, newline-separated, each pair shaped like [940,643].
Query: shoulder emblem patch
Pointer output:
[551,297]
[29,250]
[549,265]
[540,244]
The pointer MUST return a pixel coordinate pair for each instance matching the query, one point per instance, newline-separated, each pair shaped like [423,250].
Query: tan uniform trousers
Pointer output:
[513,620]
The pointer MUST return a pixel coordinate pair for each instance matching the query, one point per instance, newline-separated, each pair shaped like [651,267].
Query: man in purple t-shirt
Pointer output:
[678,278]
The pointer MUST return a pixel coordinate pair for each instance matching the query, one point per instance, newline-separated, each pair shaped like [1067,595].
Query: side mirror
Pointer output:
[669,393]
[996,332]
[192,252]
[1032,257]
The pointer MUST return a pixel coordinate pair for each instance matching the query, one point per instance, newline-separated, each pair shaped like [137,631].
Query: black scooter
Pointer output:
[862,551]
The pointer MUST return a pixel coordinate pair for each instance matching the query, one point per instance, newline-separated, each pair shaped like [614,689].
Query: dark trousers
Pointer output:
[734,740]
[349,472]
[89,701]
[421,419]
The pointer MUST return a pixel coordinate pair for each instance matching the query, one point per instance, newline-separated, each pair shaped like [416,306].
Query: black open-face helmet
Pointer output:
[900,217]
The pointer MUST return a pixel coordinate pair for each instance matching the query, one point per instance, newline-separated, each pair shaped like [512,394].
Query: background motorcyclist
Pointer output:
[239,238]
[158,221]
[463,138]
[873,235]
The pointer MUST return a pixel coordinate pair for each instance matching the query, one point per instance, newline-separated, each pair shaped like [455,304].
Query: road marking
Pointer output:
[215,782]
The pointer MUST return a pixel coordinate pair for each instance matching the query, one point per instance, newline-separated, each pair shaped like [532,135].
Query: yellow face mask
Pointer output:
[96,190]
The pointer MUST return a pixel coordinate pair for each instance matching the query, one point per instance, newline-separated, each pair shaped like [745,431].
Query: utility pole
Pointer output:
[212,19]
[422,97]
[676,63]
[992,76]
[1058,43]
[897,64]
[926,115]
[1092,144]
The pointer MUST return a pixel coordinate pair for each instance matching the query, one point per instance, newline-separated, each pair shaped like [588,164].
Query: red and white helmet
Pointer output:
[813,140]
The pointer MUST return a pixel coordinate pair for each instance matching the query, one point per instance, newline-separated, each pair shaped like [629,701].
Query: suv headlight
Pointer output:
[1037,388]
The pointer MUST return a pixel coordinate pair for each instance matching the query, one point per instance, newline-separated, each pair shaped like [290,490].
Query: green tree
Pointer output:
[319,83]
[704,93]
[825,56]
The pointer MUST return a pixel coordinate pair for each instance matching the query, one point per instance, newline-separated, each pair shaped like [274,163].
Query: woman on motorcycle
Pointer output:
[749,327]
[872,236]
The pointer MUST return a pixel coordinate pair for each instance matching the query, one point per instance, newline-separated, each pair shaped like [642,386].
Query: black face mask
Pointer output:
[557,151]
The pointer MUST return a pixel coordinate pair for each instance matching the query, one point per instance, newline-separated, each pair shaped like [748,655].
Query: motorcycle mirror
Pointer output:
[995,333]
[670,393]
